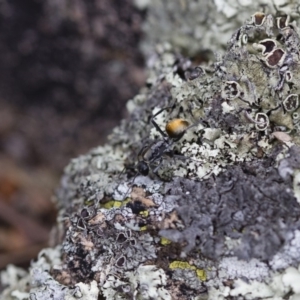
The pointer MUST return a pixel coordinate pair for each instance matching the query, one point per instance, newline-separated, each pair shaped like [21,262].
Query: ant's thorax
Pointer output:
[158,149]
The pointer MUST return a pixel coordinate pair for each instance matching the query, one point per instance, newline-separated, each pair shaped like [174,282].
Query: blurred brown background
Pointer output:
[67,68]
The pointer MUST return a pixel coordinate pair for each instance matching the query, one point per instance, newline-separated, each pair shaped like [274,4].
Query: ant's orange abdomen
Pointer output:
[176,128]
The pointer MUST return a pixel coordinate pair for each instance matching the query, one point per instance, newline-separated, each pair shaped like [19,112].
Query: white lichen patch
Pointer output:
[277,286]
[84,291]
[188,277]
[289,255]
[11,275]
[147,282]
[296,185]
[14,281]
[232,267]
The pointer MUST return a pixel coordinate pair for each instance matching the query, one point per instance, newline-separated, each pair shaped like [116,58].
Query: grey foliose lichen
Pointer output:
[194,27]
[217,214]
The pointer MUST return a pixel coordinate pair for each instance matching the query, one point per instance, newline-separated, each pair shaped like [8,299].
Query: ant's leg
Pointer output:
[157,168]
[155,173]
[193,125]
[183,157]
[142,152]
[161,110]
[130,187]
[156,125]
[122,172]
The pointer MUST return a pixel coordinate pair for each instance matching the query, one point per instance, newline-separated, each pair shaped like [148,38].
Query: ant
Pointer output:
[150,157]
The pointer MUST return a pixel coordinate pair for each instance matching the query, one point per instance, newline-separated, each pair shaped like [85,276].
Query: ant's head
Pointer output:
[143,168]
[176,128]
